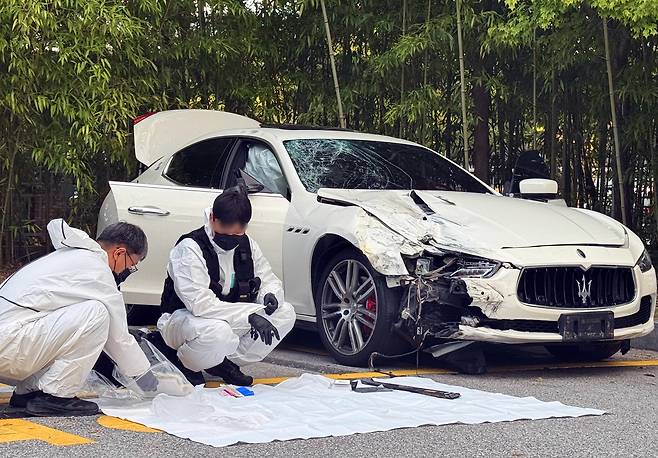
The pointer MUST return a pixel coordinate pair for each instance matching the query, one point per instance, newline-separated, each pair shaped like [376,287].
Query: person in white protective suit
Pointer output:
[224,307]
[59,312]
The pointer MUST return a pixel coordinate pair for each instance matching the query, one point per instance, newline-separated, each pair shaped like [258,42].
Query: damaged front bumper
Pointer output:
[488,310]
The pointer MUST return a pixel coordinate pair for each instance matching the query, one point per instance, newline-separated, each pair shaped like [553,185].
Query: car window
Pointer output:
[262,164]
[197,164]
[257,160]
[362,164]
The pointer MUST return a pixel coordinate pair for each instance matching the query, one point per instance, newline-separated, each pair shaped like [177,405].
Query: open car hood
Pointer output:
[480,224]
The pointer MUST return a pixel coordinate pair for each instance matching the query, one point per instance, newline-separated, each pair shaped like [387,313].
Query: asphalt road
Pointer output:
[626,388]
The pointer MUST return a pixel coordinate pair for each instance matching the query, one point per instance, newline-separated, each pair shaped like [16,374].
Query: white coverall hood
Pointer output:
[77,272]
[63,236]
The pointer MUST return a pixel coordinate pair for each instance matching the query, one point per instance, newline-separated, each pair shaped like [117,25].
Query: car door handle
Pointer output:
[147,210]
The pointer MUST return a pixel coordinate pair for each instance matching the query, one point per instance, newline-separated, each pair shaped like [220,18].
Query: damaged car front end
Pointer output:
[578,299]
[463,263]
[436,299]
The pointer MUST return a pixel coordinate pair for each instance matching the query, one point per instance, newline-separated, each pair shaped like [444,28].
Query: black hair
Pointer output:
[232,206]
[128,235]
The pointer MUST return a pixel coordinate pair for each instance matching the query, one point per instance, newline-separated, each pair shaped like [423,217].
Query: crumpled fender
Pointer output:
[383,247]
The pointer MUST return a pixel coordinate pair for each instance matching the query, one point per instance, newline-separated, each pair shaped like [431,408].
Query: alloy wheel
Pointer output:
[349,306]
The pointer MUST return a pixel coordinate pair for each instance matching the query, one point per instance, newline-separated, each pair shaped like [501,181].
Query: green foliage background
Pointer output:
[74,73]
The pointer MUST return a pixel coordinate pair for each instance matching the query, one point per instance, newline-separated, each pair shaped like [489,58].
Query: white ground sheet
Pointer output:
[307,406]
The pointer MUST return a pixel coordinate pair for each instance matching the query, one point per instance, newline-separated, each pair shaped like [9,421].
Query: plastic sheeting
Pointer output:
[308,406]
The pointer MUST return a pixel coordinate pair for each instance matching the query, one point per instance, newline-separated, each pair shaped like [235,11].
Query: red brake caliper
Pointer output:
[371,306]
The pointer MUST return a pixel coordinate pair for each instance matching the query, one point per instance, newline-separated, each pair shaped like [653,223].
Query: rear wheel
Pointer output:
[593,351]
[355,310]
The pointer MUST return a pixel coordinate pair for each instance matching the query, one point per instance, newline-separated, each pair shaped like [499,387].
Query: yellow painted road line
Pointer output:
[23,430]
[124,425]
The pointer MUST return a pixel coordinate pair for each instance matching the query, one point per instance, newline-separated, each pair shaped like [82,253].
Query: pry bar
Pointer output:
[412,389]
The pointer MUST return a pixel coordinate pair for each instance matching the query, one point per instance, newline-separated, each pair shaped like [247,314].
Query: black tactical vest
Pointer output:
[246,285]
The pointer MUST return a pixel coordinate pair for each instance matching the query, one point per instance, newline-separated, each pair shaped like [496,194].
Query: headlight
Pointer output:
[475,268]
[644,263]
[452,265]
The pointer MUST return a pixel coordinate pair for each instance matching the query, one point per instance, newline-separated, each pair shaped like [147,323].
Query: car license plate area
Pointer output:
[587,326]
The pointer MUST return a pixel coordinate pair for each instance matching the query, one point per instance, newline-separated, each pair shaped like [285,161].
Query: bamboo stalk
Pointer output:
[534,89]
[332,60]
[5,203]
[462,82]
[404,32]
[427,28]
[615,131]
[654,174]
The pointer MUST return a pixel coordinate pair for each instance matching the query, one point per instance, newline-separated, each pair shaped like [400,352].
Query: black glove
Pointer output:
[271,303]
[147,382]
[261,327]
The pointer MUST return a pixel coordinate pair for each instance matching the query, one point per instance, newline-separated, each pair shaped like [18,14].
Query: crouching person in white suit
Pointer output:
[224,307]
[59,312]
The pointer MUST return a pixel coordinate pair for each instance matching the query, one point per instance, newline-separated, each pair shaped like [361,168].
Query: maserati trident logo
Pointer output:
[584,290]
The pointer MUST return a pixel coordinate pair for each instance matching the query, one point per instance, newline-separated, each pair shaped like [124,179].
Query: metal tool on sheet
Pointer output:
[366,389]
[412,389]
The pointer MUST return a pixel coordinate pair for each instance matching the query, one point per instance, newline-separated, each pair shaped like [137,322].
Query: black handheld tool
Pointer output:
[366,389]
[412,389]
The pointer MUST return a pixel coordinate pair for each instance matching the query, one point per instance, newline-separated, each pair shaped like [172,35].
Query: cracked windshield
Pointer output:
[361,164]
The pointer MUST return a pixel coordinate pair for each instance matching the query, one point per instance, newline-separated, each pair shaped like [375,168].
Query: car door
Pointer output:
[270,206]
[165,212]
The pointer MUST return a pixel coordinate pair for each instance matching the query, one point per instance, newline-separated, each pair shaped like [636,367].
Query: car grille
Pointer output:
[573,287]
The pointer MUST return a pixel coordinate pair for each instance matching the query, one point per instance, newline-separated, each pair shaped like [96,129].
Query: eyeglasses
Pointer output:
[132,269]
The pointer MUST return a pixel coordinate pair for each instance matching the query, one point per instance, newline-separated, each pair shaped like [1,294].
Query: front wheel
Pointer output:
[592,351]
[355,310]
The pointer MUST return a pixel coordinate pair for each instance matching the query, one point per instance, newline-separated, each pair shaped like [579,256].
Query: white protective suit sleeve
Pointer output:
[188,270]
[270,283]
[121,346]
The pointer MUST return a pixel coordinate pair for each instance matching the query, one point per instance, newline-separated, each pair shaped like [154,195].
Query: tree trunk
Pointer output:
[404,32]
[332,60]
[13,147]
[553,128]
[481,149]
[566,145]
[602,175]
[462,78]
[654,163]
[613,115]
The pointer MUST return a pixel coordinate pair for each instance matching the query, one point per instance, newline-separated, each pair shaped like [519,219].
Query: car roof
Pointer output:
[284,134]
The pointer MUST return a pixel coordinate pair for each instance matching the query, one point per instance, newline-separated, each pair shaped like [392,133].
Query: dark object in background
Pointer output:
[529,164]
[467,360]
[104,366]
[195,378]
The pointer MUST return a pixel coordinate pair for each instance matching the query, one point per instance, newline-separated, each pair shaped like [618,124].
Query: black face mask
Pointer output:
[124,274]
[121,276]
[227,242]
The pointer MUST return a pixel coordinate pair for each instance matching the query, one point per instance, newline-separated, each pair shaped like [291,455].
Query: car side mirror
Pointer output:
[538,188]
[252,185]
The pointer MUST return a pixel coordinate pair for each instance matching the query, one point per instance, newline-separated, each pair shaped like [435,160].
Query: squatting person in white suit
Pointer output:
[223,306]
[59,312]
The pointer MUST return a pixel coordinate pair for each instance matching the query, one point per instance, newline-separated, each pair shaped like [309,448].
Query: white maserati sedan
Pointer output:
[381,242]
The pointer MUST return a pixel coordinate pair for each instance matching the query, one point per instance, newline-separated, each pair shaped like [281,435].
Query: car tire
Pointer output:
[594,351]
[356,312]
